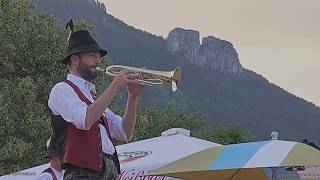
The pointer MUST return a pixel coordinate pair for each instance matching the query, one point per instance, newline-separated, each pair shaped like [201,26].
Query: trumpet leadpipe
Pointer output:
[100,69]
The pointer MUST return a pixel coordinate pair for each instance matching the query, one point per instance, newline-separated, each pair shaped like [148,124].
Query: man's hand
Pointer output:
[126,77]
[122,78]
[134,88]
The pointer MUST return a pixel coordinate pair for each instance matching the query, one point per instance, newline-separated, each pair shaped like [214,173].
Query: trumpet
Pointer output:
[146,76]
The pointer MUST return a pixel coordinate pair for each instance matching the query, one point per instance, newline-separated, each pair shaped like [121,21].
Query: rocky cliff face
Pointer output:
[216,54]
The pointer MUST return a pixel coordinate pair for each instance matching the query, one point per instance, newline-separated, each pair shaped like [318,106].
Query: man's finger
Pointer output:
[132,75]
[132,81]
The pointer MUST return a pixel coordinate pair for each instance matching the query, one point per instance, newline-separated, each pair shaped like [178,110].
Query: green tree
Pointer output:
[310,143]
[31,48]
[151,121]
[24,125]
[229,134]
[30,64]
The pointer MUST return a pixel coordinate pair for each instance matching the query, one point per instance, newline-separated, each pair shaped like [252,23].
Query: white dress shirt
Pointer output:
[65,102]
[48,176]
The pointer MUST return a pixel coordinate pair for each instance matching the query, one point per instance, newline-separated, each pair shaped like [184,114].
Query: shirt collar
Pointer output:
[57,173]
[81,83]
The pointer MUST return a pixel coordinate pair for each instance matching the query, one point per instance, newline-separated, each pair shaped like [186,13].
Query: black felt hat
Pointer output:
[81,41]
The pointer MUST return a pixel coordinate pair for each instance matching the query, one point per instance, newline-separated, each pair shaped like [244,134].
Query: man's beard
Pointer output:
[87,72]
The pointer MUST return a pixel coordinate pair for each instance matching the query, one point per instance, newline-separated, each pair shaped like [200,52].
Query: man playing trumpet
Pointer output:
[83,125]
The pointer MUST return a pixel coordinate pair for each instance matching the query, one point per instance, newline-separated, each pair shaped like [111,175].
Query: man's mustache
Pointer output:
[93,66]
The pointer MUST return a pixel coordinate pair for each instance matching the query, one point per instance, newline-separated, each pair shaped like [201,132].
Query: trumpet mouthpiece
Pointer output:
[99,69]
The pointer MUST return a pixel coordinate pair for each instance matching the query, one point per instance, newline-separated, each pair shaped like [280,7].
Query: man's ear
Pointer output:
[74,60]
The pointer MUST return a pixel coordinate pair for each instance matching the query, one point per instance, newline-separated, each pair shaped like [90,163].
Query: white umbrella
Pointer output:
[140,157]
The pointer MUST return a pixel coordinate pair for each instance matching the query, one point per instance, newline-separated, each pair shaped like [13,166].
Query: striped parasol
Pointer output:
[254,160]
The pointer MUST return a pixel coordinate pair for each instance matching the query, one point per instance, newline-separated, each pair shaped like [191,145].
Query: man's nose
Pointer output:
[98,60]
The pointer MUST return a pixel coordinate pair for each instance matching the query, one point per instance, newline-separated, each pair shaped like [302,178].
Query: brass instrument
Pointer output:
[148,77]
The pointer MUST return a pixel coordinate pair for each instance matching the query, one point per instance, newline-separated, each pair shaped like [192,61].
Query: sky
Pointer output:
[278,39]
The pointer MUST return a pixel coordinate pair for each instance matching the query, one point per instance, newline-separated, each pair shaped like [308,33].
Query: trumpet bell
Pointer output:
[148,77]
[176,78]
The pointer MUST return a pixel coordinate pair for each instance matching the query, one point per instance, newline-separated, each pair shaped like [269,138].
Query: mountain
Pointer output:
[213,81]
[212,53]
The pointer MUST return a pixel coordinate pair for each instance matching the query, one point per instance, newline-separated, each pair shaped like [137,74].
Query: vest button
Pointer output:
[100,155]
[99,135]
[100,165]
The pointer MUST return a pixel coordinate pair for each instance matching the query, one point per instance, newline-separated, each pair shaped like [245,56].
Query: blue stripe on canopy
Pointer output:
[236,155]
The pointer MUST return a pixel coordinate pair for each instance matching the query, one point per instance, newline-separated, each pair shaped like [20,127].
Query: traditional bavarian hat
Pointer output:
[81,41]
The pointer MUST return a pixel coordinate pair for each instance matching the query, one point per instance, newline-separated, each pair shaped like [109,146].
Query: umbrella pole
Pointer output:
[274,173]
[234,174]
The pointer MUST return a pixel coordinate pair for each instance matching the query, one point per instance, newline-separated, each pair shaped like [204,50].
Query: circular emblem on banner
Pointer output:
[125,157]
